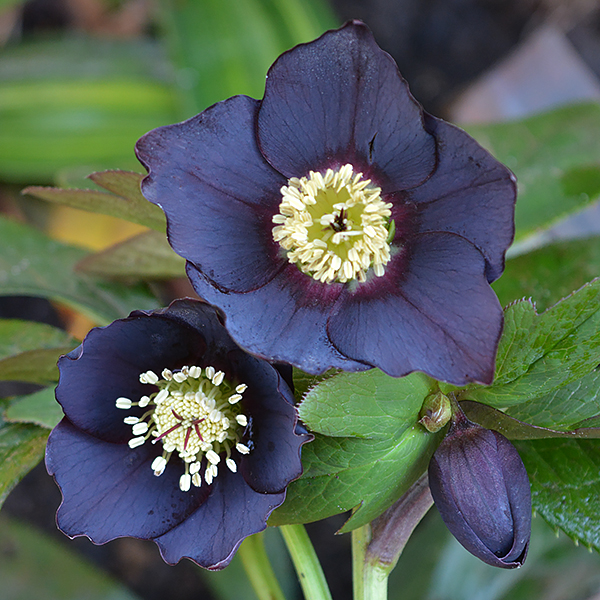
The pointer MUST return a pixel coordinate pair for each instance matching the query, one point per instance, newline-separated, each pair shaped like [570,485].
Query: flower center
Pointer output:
[195,414]
[334,226]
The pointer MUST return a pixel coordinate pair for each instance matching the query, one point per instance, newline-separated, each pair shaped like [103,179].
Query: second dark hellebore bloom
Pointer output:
[172,433]
[335,223]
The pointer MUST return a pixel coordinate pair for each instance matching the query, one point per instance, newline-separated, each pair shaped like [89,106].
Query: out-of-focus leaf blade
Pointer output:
[39,567]
[18,336]
[31,264]
[125,202]
[144,256]
[35,366]
[550,273]
[554,156]
[21,448]
[224,47]
[29,351]
[46,126]
[565,485]
[40,408]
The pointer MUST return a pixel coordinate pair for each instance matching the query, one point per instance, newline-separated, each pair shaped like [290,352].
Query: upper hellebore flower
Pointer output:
[480,486]
[334,222]
[172,433]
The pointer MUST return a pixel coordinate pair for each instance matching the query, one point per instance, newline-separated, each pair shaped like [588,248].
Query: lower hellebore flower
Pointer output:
[335,223]
[172,433]
[480,486]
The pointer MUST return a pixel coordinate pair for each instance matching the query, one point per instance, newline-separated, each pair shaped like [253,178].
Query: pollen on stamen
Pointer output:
[195,415]
[334,226]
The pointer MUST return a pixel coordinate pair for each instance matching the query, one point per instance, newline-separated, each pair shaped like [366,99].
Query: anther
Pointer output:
[124,403]
[242,449]
[193,414]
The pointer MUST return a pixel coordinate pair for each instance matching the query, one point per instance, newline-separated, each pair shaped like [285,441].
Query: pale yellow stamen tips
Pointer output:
[124,403]
[195,414]
[335,226]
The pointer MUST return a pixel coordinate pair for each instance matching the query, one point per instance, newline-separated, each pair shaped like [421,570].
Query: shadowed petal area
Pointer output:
[110,491]
[437,315]
[213,533]
[341,99]
[109,367]
[275,446]
[209,177]
[520,502]
[284,320]
[470,194]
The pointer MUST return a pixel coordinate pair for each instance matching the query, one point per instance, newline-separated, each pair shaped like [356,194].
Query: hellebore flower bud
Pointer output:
[481,488]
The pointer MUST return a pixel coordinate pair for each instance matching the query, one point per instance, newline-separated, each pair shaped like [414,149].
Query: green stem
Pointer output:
[377,546]
[369,579]
[308,567]
[258,568]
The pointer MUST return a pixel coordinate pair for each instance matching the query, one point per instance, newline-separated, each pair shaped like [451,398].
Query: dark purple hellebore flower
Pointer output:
[480,486]
[334,222]
[172,433]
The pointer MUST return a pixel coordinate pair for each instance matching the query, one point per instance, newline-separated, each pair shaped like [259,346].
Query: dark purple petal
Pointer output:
[275,448]
[341,99]
[218,192]
[213,533]
[470,193]
[519,496]
[110,491]
[109,364]
[432,311]
[284,320]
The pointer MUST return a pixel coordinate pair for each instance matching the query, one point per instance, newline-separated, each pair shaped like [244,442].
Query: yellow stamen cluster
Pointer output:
[195,414]
[334,226]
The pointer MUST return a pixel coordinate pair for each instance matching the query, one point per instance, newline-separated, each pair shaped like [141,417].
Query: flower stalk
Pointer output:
[258,568]
[307,565]
[377,546]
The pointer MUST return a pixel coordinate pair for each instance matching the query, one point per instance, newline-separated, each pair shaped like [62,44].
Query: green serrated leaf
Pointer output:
[304,382]
[565,485]
[568,407]
[21,449]
[369,405]
[125,202]
[550,273]
[368,449]
[18,336]
[144,256]
[347,473]
[538,354]
[548,153]
[32,264]
[40,408]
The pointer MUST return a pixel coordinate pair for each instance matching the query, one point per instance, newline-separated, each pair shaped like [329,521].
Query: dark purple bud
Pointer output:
[481,488]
